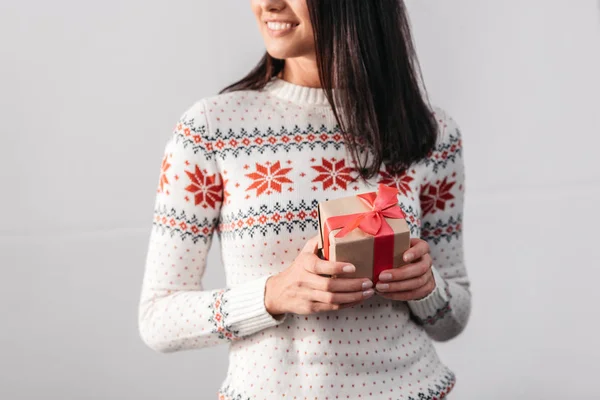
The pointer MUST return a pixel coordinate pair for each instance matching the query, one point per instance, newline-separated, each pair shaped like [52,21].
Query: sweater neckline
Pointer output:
[296,93]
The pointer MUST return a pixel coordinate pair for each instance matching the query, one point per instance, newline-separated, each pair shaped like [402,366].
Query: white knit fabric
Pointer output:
[250,166]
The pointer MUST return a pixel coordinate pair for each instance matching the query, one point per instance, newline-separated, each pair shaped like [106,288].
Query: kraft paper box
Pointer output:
[358,247]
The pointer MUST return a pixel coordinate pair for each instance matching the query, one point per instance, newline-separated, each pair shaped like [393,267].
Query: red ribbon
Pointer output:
[383,205]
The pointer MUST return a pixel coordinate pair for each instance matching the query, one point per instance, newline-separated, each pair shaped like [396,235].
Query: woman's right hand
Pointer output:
[300,289]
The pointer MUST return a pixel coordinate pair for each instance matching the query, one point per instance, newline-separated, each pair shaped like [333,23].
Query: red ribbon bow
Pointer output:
[383,205]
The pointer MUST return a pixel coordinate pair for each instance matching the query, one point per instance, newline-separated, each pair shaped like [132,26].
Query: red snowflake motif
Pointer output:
[163,174]
[226,194]
[400,181]
[434,197]
[333,173]
[205,188]
[268,177]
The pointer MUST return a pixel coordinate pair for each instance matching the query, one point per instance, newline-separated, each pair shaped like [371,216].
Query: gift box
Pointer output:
[368,230]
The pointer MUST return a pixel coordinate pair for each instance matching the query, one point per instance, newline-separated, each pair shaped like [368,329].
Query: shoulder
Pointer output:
[200,112]
[191,131]
[232,99]
[200,124]
[447,154]
[214,111]
[231,102]
[192,124]
[213,105]
[448,130]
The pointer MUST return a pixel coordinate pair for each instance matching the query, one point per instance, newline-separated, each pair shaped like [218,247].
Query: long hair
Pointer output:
[366,49]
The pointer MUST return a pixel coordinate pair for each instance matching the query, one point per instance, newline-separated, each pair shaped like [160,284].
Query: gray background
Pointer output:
[89,93]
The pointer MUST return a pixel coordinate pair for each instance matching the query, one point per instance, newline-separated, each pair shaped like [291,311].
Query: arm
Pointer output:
[444,313]
[175,313]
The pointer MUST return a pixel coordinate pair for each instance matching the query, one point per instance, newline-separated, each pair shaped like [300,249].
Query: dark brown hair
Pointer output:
[366,48]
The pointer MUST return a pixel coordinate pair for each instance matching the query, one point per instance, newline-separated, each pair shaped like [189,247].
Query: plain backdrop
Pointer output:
[89,94]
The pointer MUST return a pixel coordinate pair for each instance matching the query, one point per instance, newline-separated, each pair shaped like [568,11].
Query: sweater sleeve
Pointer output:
[175,312]
[444,312]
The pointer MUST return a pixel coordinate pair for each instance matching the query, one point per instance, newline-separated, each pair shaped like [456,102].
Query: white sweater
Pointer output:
[251,166]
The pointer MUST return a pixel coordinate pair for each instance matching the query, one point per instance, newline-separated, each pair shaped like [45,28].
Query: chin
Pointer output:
[290,51]
[280,54]
[283,52]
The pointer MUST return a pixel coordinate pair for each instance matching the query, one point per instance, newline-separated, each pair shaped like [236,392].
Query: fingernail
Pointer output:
[382,286]
[367,284]
[385,277]
[368,293]
[408,257]
[349,268]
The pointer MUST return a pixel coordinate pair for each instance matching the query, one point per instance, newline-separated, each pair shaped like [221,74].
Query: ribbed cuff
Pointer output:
[434,302]
[246,311]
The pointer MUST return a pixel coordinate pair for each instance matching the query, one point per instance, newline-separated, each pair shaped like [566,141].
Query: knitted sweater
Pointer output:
[251,167]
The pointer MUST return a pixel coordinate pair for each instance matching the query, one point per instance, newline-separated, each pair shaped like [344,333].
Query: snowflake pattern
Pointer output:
[226,194]
[268,178]
[163,174]
[435,196]
[400,181]
[333,174]
[207,189]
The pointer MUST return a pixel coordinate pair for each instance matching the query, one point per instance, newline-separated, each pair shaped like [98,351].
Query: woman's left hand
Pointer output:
[412,281]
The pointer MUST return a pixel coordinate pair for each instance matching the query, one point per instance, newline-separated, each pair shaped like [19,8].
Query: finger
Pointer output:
[405,285]
[312,245]
[416,294]
[332,307]
[418,248]
[408,271]
[340,298]
[324,267]
[338,284]
[319,307]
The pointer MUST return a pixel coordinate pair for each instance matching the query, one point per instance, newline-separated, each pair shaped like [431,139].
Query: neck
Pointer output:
[301,71]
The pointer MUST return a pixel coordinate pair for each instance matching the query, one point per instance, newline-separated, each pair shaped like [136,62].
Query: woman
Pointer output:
[333,109]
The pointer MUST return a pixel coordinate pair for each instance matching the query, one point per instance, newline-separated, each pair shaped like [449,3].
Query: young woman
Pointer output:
[333,109]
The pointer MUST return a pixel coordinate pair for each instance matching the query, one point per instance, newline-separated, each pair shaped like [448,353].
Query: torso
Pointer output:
[278,159]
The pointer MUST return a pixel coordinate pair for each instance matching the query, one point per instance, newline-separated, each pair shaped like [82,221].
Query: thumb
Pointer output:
[312,245]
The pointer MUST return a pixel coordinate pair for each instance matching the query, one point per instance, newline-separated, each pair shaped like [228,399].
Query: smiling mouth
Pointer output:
[280,27]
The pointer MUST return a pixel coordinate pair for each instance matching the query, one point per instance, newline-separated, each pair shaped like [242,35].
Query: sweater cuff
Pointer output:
[246,309]
[435,302]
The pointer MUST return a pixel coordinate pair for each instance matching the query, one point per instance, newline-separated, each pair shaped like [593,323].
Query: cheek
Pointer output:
[256,9]
[309,37]
[300,9]
[303,15]
[307,44]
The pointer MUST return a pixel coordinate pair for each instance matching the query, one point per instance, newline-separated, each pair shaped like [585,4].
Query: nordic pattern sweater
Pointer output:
[250,167]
